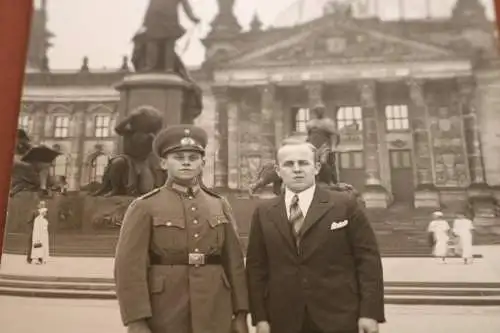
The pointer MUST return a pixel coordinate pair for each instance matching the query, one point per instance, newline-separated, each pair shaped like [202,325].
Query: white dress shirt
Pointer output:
[305,199]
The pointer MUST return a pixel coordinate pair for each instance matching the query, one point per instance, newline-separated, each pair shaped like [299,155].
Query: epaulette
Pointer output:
[149,194]
[211,192]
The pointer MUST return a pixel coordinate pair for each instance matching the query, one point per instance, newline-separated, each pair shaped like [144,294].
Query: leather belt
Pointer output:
[191,259]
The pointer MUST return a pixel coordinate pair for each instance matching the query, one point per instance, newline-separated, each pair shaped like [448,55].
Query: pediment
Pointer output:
[341,43]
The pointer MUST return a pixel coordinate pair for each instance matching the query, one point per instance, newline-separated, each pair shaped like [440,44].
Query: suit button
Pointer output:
[196,235]
[193,208]
[195,221]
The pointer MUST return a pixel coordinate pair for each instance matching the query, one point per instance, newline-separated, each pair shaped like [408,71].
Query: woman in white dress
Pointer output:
[40,245]
[462,227]
[439,227]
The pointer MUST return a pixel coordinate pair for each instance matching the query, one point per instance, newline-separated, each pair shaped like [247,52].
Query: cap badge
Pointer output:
[187,132]
[188,141]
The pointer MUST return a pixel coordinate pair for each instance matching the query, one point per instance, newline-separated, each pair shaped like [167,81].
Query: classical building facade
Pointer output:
[416,103]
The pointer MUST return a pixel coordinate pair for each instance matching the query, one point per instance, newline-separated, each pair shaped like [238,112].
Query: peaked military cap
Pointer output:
[180,138]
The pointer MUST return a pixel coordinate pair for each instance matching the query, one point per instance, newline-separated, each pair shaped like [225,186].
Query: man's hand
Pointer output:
[367,325]
[263,327]
[139,326]
[240,323]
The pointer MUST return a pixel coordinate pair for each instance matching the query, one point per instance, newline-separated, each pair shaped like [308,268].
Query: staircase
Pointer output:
[422,293]
[400,230]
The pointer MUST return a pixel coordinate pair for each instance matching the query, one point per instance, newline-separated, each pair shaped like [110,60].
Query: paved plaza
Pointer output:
[29,315]
[486,269]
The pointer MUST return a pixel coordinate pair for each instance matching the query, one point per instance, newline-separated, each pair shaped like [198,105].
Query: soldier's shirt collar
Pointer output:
[182,189]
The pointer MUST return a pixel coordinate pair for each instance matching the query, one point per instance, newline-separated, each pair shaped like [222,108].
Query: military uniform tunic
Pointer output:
[162,227]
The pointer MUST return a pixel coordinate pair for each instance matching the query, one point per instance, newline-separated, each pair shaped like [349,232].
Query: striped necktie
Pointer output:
[296,218]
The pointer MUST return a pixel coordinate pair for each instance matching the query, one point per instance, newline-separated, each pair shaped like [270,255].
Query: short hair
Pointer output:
[294,141]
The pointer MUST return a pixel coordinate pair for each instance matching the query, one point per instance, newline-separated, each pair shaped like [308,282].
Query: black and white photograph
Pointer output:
[237,166]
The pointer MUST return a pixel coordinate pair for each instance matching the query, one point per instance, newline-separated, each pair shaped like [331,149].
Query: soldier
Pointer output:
[179,265]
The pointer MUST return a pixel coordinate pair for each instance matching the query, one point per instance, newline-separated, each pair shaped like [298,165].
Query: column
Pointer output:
[221,161]
[77,147]
[470,116]
[421,138]
[268,119]
[370,133]
[39,119]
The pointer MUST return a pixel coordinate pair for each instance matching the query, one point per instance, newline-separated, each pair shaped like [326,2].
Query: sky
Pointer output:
[102,29]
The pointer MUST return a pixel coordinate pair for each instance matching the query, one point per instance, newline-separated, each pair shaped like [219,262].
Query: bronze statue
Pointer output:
[154,50]
[322,133]
[154,43]
[31,166]
[137,170]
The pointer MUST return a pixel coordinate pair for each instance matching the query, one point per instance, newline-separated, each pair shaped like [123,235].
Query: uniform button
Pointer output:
[190,198]
[169,224]
[196,250]
[195,221]
[193,208]
[196,235]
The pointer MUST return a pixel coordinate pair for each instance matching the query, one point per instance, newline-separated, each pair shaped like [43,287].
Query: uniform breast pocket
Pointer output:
[169,233]
[218,225]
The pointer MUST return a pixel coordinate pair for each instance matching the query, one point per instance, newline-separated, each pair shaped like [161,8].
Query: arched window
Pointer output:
[350,116]
[101,126]
[61,126]
[302,116]
[98,165]
[60,166]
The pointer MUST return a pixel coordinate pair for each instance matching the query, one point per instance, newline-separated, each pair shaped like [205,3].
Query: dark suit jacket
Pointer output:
[336,274]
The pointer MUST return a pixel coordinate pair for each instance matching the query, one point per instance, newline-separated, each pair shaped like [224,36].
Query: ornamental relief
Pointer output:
[451,167]
[254,148]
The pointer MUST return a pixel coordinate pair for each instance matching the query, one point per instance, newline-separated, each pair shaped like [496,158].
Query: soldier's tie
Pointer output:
[296,218]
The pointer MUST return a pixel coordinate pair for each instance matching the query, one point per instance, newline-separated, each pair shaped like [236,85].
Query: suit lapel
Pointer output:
[320,204]
[278,216]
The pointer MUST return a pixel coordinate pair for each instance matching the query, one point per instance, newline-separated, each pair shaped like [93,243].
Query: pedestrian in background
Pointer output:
[462,227]
[440,229]
[40,248]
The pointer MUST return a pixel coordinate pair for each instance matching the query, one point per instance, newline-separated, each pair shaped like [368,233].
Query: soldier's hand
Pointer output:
[263,327]
[240,324]
[367,325]
[139,326]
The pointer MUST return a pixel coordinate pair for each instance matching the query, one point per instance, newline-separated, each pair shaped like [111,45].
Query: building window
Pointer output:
[61,126]
[350,116]
[397,117]
[101,126]
[98,165]
[351,160]
[60,166]
[301,118]
[24,123]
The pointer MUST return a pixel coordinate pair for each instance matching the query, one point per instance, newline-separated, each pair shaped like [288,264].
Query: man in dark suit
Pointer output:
[313,262]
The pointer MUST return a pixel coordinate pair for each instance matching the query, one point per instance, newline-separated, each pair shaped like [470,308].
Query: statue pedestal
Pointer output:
[426,196]
[375,196]
[162,91]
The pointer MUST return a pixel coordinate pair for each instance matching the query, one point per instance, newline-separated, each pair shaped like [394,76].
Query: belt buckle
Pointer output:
[196,259]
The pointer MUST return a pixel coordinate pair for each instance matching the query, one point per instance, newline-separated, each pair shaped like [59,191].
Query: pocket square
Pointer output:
[337,225]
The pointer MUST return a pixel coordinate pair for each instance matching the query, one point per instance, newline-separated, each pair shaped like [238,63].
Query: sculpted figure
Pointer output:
[154,43]
[136,170]
[322,133]
[31,166]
